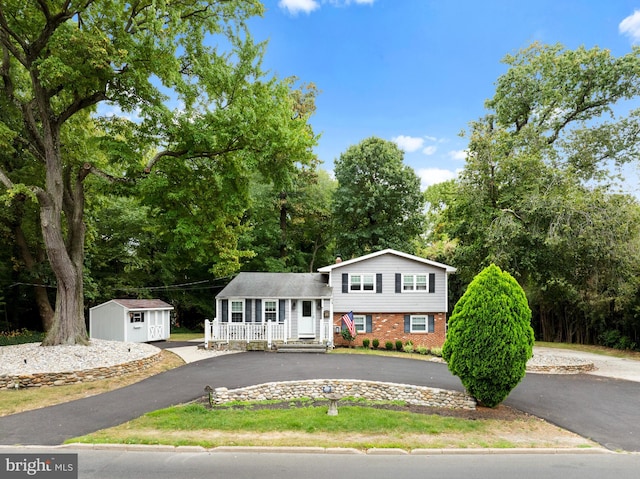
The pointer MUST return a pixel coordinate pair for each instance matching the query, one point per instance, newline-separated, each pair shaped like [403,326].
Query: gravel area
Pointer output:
[32,358]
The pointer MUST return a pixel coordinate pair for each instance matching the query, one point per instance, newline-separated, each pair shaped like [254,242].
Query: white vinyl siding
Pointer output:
[388,300]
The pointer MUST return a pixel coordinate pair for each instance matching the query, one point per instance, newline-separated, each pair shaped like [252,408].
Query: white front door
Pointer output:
[156,326]
[306,320]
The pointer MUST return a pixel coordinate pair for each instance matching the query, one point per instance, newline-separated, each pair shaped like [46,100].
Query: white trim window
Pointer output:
[362,282]
[270,310]
[237,311]
[137,317]
[360,322]
[422,324]
[415,282]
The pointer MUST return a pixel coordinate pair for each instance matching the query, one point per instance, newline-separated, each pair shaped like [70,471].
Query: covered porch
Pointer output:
[272,309]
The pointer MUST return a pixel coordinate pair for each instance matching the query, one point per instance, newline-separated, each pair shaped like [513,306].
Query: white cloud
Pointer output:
[307,6]
[429,150]
[296,6]
[458,155]
[630,26]
[431,176]
[408,143]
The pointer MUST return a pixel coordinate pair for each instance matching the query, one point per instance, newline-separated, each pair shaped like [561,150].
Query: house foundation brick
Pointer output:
[390,327]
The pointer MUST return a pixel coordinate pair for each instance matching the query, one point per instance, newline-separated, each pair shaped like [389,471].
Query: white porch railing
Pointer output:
[270,331]
[226,332]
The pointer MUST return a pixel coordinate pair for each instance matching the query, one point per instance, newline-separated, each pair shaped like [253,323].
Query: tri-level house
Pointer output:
[392,296]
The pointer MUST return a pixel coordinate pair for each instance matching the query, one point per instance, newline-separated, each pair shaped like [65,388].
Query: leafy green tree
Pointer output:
[61,59]
[290,231]
[378,203]
[489,338]
[537,195]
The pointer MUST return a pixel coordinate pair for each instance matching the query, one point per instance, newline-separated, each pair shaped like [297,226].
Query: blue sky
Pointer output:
[418,71]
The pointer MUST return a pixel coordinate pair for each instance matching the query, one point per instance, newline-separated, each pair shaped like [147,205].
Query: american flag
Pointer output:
[348,320]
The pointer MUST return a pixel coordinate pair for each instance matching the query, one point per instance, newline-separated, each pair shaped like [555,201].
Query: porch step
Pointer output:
[301,348]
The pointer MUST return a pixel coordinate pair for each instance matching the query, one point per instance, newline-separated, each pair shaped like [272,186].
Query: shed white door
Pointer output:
[156,326]
[306,320]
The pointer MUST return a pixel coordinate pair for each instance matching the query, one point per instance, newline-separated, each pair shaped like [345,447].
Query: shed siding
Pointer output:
[137,332]
[390,301]
[106,321]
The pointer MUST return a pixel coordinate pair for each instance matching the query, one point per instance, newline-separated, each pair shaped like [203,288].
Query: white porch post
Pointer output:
[207,333]
[287,327]
[269,334]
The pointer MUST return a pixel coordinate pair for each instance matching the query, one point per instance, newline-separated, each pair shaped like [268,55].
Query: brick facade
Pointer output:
[390,327]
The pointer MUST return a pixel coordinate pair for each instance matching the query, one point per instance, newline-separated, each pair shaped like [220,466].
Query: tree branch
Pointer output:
[5,180]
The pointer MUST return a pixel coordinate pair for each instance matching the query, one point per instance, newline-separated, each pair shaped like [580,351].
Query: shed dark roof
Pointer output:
[277,285]
[143,303]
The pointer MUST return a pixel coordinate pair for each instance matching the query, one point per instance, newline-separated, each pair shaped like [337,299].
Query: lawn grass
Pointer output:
[359,427]
[188,336]
[14,401]
[617,353]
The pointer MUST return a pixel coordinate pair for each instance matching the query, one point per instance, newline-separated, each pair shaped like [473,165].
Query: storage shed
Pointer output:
[135,320]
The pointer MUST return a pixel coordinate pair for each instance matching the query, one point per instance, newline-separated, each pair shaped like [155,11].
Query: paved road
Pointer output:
[233,465]
[602,409]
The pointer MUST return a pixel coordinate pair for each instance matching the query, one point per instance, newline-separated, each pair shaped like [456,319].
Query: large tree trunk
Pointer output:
[68,321]
[63,200]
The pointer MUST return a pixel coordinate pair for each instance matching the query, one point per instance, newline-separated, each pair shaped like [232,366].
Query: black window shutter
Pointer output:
[249,316]
[225,310]
[369,324]
[398,283]
[407,323]
[282,306]
[258,310]
[379,283]
[430,323]
[432,282]
[345,282]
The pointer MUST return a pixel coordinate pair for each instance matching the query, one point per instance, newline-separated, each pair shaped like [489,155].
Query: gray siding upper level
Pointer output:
[388,300]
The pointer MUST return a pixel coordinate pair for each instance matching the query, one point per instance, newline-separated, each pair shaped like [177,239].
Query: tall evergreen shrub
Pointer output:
[490,338]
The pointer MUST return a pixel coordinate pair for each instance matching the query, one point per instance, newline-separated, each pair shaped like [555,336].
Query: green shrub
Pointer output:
[399,345]
[20,336]
[490,338]
[436,352]
[365,343]
[614,339]
[375,343]
[388,345]
[408,347]
[422,350]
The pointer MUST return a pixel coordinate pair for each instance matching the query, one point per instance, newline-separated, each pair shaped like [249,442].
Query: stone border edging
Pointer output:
[75,377]
[370,390]
[561,368]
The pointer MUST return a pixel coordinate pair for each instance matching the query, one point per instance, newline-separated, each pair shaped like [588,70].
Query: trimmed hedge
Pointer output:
[490,338]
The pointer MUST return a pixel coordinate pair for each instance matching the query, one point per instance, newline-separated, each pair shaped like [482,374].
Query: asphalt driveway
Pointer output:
[601,409]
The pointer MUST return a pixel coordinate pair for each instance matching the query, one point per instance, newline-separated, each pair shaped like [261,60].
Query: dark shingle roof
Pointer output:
[277,285]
